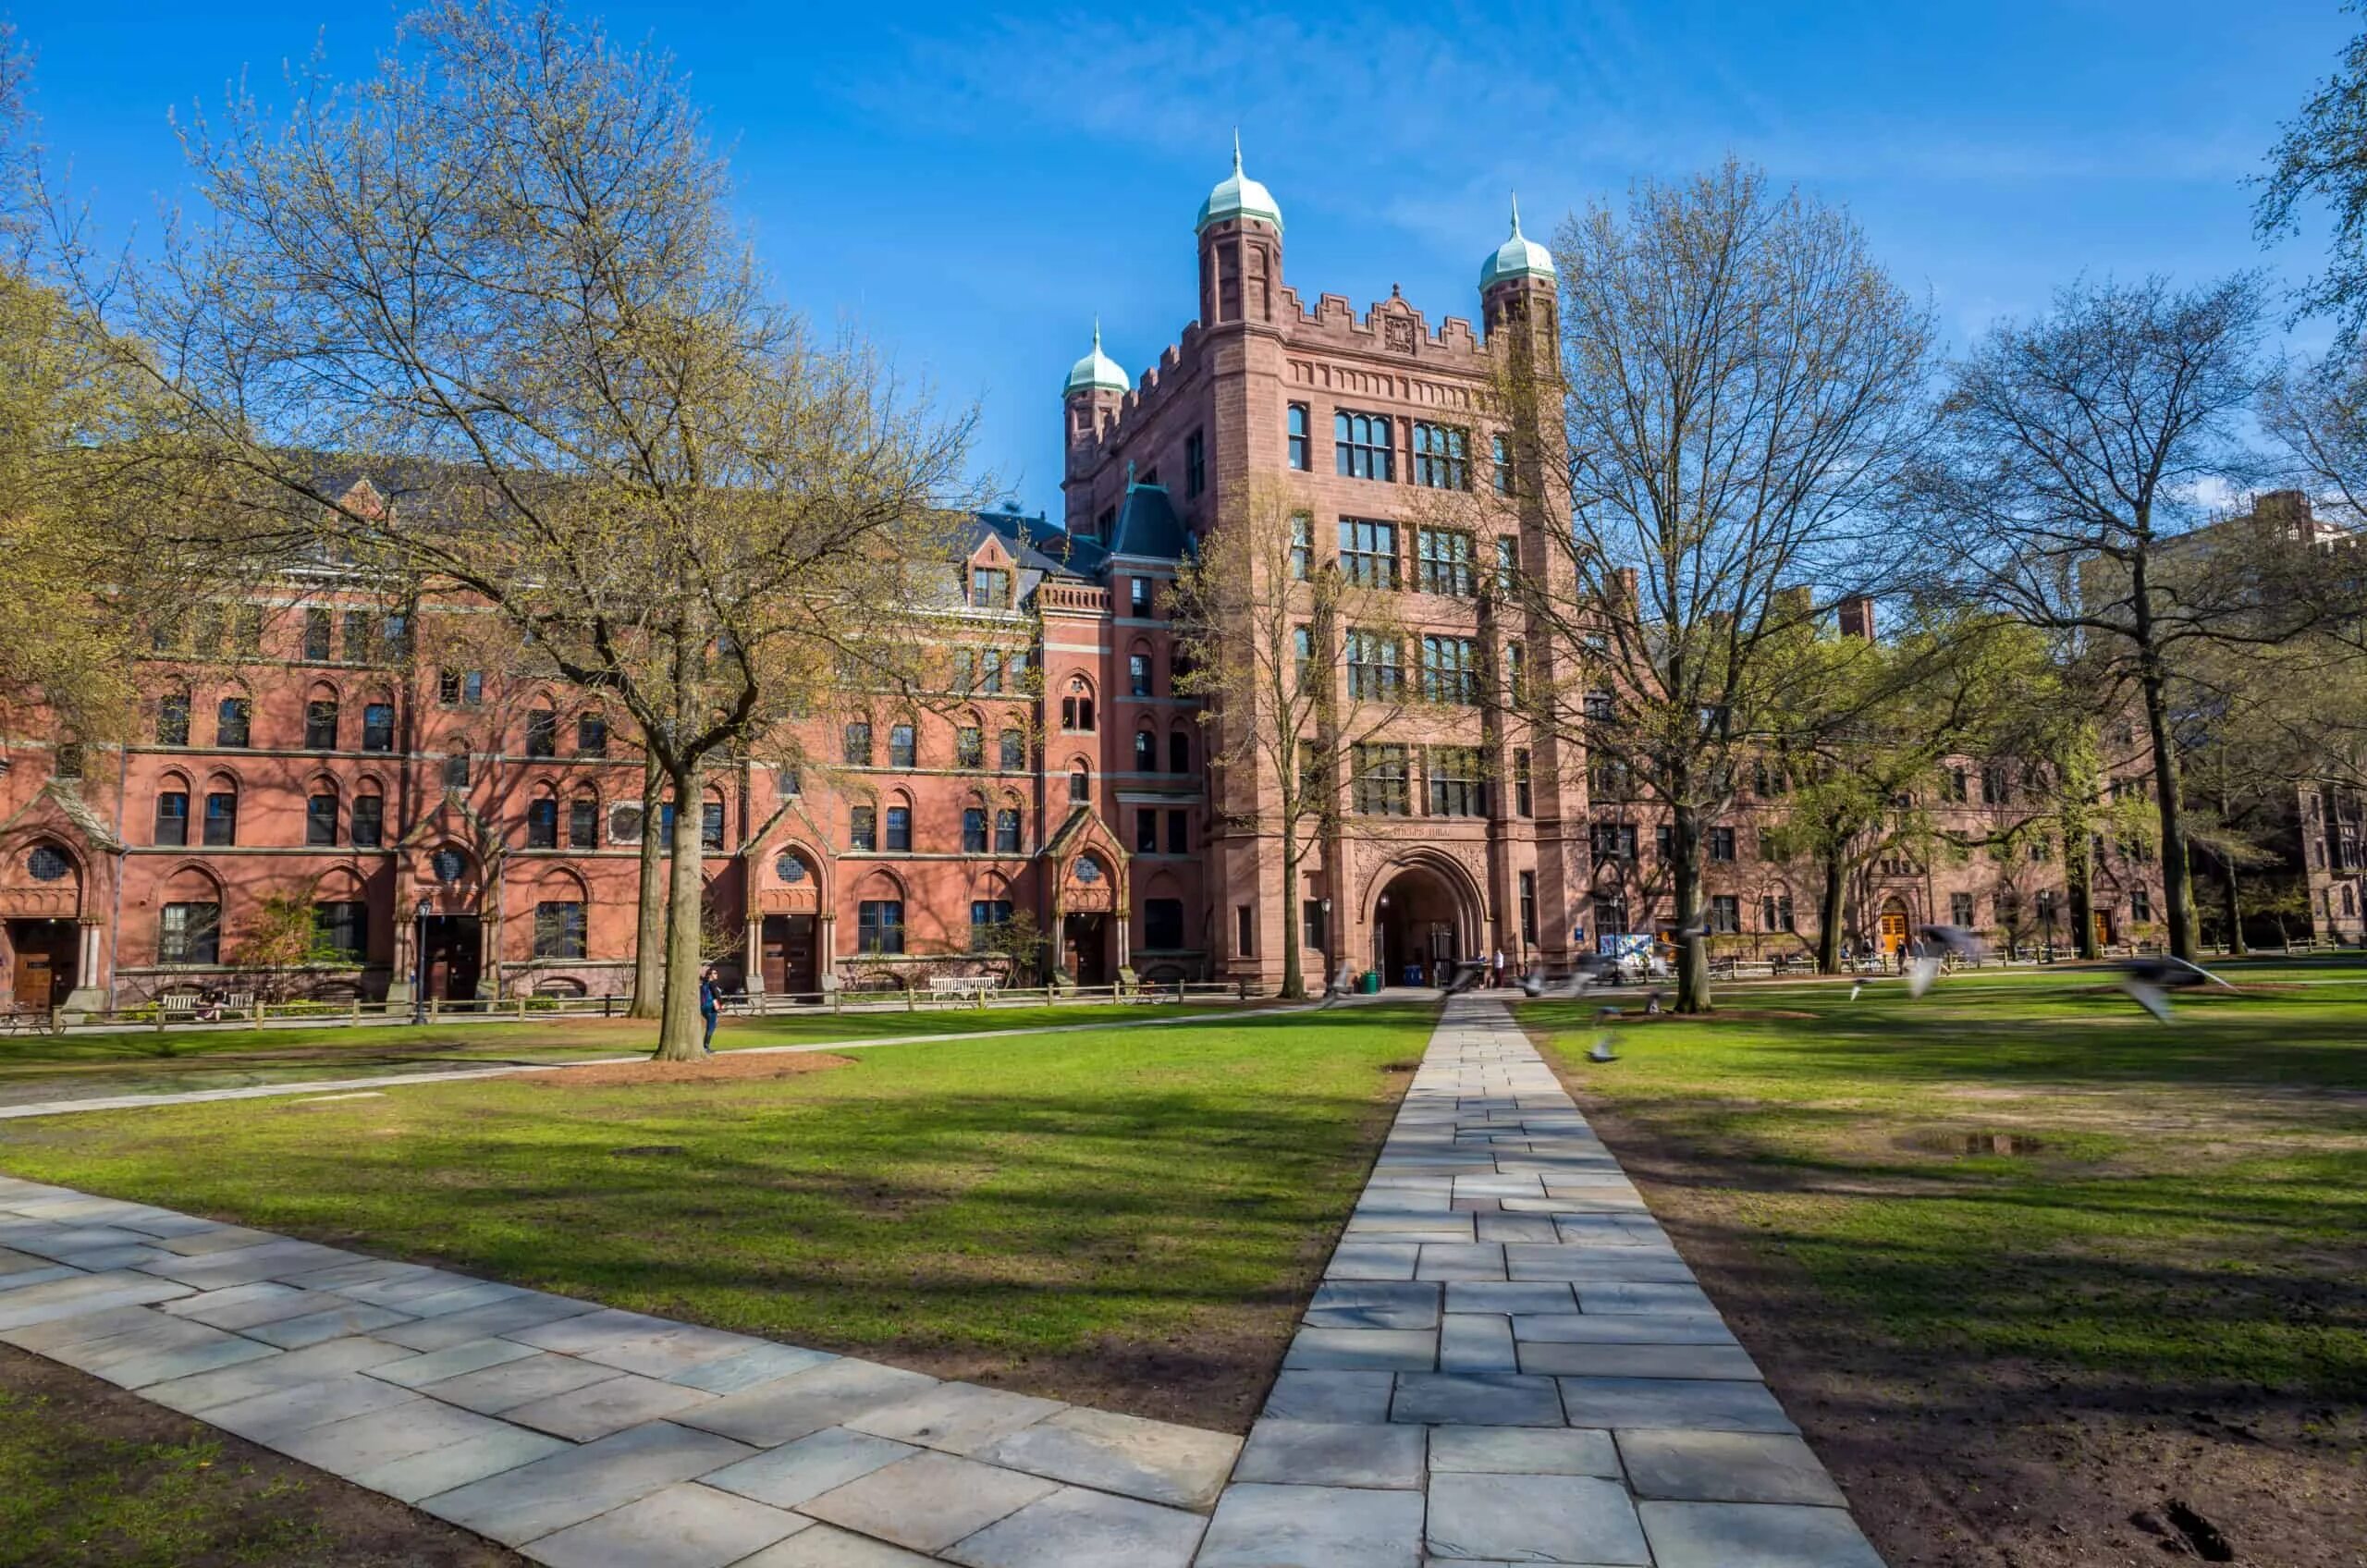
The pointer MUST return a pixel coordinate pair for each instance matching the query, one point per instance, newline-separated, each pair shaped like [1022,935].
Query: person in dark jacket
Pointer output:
[709,1008]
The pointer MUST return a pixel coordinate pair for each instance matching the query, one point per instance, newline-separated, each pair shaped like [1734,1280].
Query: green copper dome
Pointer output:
[1097,372]
[1517,257]
[1238,196]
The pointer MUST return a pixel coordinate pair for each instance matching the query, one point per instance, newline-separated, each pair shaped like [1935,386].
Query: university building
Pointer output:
[335,757]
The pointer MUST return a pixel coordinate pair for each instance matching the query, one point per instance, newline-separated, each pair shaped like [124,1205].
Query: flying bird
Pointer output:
[1602,1051]
[2149,980]
[1939,944]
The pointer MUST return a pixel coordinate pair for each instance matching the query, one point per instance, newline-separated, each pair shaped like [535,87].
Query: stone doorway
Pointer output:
[454,949]
[788,953]
[1417,929]
[42,956]
[1084,948]
[1894,929]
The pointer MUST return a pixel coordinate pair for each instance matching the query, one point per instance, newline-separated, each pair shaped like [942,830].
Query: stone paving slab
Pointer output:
[1552,1386]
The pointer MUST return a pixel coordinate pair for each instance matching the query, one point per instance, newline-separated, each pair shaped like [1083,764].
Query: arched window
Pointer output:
[366,825]
[542,730]
[320,813]
[969,742]
[172,718]
[711,820]
[1146,752]
[172,810]
[974,826]
[791,870]
[456,767]
[47,863]
[879,917]
[1076,707]
[1007,838]
[1179,753]
[583,818]
[857,744]
[899,823]
[1080,783]
[221,811]
[1011,757]
[320,718]
[904,746]
[542,819]
[340,918]
[1139,667]
[188,920]
[560,907]
[378,723]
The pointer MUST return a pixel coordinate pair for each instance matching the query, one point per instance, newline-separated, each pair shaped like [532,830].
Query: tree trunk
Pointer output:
[1293,969]
[1829,901]
[1692,947]
[680,1031]
[2177,891]
[649,928]
[2078,875]
[2231,898]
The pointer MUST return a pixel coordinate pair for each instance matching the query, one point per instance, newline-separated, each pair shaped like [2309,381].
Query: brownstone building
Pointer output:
[330,749]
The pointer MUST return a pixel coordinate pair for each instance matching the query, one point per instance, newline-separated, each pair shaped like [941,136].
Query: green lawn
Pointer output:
[1126,1215]
[131,1061]
[2187,1213]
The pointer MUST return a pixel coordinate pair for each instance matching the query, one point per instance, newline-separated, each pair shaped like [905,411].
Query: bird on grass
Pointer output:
[2150,979]
[1602,1051]
[1939,944]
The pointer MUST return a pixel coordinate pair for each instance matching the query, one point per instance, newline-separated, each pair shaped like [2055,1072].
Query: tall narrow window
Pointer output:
[711,826]
[172,817]
[1301,546]
[1507,567]
[1010,752]
[584,822]
[1503,456]
[903,748]
[591,735]
[973,830]
[1139,596]
[1240,929]
[1138,672]
[316,636]
[248,629]
[1145,831]
[1296,425]
[377,726]
[900,827]
[366,825]
[1523,797]
[1725,915]
[542,733]
[862,828]
[233,717]
[1076,709]
[320,725]
[456,768]
[1006,831]
[320,819]
[1179,753]
[172,719]
[220,818]
[1196,464]
[1146,752]
[985,914]
[1528,906]
[858,745]
[1368,552]
[1080,786]
[969,746]
[542,825]
[1362,446]
[356,627]
[1179,832]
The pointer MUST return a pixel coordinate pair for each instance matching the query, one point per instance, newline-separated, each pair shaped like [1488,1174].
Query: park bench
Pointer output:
[963,986]
[178,1007]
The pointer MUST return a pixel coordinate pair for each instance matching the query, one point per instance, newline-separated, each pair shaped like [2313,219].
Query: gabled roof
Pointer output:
[1038,545]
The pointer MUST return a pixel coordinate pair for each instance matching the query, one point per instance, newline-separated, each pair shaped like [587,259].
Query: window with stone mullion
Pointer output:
[1441,456]
[1444,562]
[1374,673]
[1451,670]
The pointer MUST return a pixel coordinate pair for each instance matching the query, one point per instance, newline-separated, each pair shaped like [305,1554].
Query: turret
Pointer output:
[1517,281]
[1090,397]
[1240,230]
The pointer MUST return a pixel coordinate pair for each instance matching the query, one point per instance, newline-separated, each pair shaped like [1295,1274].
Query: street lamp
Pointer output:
[419,963]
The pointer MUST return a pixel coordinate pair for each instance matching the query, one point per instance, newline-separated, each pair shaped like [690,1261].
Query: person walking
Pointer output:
[1499,981]
[710,1008]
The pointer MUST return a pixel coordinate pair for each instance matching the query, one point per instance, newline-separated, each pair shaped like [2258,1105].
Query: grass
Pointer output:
[2189,1216]
[125,1062]
[1139,1208]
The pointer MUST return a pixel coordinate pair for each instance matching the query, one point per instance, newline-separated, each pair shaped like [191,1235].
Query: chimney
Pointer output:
[1858,617]
[2284,512]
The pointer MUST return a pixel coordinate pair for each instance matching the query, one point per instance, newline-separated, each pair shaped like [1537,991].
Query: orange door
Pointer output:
[1894,932]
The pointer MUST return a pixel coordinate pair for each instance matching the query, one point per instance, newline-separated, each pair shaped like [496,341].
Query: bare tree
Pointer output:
[2081,453]
[1301,665]
[500,268]
[1738,386]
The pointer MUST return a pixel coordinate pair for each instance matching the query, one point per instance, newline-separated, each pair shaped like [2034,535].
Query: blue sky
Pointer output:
[971,187]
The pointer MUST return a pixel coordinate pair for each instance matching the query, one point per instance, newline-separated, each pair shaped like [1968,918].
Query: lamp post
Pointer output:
[419,963]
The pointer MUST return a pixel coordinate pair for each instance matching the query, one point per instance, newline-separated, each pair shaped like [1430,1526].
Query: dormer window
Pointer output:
[990,588]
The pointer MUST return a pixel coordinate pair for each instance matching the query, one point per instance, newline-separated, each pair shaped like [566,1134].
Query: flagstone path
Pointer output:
[1506,1363]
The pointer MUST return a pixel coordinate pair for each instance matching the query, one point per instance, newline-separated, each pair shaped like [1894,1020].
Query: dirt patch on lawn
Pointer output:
[728,1067]
[101,1478]
[2000,1464]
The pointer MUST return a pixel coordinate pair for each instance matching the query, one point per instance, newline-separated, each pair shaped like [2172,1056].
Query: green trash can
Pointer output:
[1368,983]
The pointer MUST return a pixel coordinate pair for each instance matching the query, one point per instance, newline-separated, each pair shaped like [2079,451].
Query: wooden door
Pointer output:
[33,979]
[1894,931]
[789,954]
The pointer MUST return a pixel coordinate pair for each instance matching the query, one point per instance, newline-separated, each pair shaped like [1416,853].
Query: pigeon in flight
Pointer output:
[2149,980]
[1939,944]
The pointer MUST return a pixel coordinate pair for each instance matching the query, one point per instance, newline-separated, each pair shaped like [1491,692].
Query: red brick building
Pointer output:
[330,756]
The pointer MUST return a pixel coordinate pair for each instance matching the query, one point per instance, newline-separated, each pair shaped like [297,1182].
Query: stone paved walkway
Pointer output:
[1508,1363]
[586,1437]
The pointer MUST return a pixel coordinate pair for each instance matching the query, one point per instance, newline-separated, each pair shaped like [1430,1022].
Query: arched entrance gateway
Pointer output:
[1424,921]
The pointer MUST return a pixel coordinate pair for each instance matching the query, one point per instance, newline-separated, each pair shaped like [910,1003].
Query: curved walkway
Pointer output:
[1506,1362]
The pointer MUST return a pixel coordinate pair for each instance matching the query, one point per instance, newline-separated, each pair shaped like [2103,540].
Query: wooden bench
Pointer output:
[963,986]
[178,1007]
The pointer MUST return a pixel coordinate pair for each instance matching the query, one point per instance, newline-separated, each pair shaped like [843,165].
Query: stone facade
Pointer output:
[328,746]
